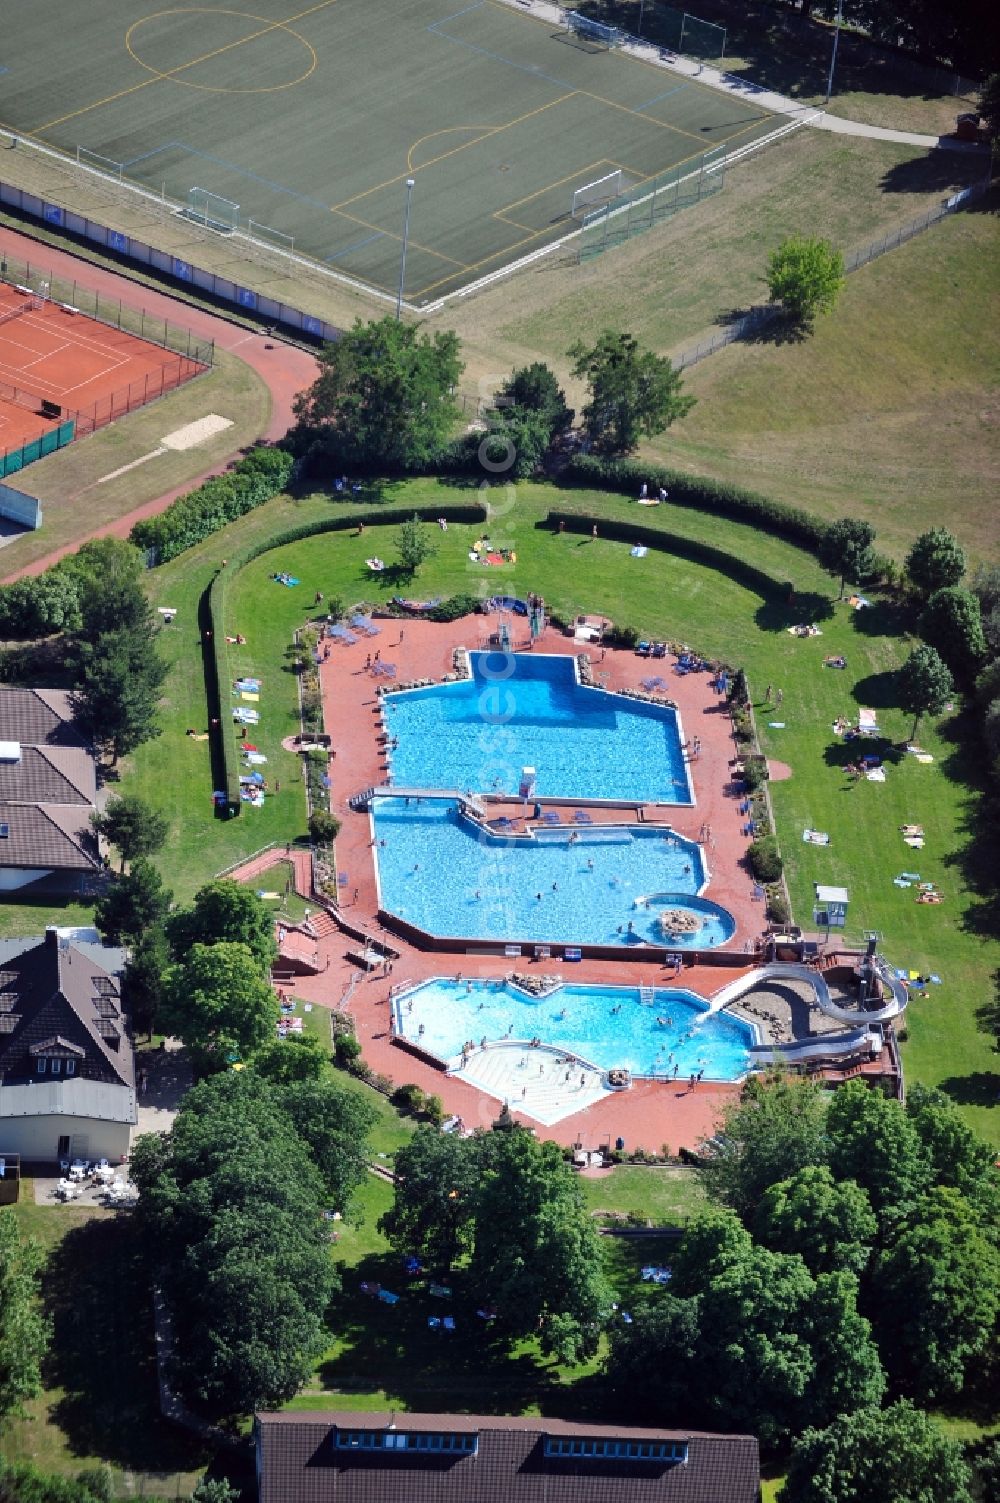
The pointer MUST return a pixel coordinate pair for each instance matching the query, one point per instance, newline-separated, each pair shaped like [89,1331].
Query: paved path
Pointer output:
[743,88]
[285,368]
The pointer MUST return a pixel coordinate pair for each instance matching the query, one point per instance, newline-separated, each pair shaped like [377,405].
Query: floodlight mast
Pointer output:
[406,237]
[833,54]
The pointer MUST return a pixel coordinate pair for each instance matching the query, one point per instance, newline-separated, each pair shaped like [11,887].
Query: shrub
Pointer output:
[323,827]
[346,1051]
[191,518]
[434,1110]
[778,910]
[755,772]
[621,636]
[454,607]
[765,860]
[408,1098]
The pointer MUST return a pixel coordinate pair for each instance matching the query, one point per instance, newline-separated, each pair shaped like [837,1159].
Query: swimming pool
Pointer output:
[441,871]
[613,1027]
[530,710]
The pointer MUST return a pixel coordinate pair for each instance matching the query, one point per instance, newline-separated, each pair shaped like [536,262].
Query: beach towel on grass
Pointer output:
[815,837]
[875,774]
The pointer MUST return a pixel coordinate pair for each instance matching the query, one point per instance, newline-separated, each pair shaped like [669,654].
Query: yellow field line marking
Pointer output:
[206,57]
[389,235]
[496,130]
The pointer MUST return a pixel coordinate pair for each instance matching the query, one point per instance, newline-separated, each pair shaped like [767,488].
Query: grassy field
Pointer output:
[888,411]
[74,501]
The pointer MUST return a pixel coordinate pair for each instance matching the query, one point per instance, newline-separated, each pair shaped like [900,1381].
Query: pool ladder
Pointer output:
[646,996]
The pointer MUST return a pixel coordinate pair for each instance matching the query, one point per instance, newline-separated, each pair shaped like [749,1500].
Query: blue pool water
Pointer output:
[438,870]
[608,1026]
[476,735]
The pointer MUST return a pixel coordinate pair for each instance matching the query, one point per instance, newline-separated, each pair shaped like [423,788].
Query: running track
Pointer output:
[286,369]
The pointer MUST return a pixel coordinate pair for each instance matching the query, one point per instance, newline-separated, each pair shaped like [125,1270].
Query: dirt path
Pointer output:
[285,368]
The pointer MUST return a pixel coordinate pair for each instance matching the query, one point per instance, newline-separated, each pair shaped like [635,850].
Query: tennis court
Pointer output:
[309,121]
[63,375]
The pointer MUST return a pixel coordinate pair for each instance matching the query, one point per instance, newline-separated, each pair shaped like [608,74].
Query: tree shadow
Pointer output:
[979,813]
[883,618]
[878,691]
[844,754]
[780,614]
[102,1354]
[392,1348]
[981,1088]
[936,172]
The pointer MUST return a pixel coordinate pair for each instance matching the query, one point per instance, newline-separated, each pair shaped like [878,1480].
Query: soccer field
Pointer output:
[311,120]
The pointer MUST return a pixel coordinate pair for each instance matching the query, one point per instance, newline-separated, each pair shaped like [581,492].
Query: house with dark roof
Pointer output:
[344,1457]
[48,790]
[67,1070]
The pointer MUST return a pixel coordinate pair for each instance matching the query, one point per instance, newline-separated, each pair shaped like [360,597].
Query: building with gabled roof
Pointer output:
[343,1457]
[48,791]
[67,1070]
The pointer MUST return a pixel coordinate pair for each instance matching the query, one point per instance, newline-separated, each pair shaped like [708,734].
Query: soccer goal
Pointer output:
[603,190]
[604,37]
[106,166]
[214,212]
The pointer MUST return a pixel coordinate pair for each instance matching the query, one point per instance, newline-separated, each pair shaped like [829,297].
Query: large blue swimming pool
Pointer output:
[531,711]
[608,1026]
[564,885]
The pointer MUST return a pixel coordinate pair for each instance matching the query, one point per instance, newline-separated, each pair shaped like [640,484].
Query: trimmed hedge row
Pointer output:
[693,549]
[629,475]
[219,705]
[192,518]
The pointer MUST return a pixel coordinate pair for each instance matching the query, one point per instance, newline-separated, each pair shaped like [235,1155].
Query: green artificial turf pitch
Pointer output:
[311,119]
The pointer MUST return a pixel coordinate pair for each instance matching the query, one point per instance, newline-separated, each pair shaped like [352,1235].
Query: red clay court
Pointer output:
[64,374]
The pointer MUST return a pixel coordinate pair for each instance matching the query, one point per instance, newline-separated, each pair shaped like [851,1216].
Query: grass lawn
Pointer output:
[662,1196]
[887,411]
[75,503]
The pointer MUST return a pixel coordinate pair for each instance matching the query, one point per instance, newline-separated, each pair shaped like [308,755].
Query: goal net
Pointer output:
[604,37]
[214,212]
[603,190]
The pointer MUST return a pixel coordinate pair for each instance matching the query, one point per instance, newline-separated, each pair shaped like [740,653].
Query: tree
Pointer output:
[37,605]
[936,560]
[830,1224]
[777,1127]
[129,824]
[874,1143]
[121,674]
[872,1456]
[633,392]
[958,1158]
[134,903]
[986,588]
[951,622]
[805,275]
[923,685]
[335,1125]
[143,979]
[324,827]
[517,442]
[23,1330]
[937,1292]
[536,1252]
[383,398]
[229,1210]
[108,573]
[433,1208]
[413,544]
[218,1003]
[846,549]
[989,105]
[225,911]
[298,1057]
[534,388]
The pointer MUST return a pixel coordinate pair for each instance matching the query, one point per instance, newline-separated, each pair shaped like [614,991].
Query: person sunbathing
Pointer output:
[911,829]
[931,897]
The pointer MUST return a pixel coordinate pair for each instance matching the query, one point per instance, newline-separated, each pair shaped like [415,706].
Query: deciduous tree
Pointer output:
[131,825]
[225,910]
[872,1455]
[413,544]
[846,549]
[951,622]
[924,685]
[777,1127]
[433,1209]
[805,275]
[633,392]
[830,1224]
[218,1003]
[384,396]
[535,388]
[936,560]
[23,1329]
[874,1143]
[133,904]
[119,680]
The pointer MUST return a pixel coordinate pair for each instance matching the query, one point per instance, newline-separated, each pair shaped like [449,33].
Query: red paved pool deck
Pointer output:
[651,1113]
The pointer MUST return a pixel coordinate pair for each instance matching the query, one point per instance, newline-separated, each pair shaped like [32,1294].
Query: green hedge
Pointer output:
[192,518]
[218,660]
[620,531]
[629,475]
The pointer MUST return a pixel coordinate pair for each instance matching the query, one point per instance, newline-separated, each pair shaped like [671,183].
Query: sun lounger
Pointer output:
[550,817]
[440,1291]
[815,837]
[875,774]
[868,721]
[916,841]
[448,1322]
[387,1297]
[583,818]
